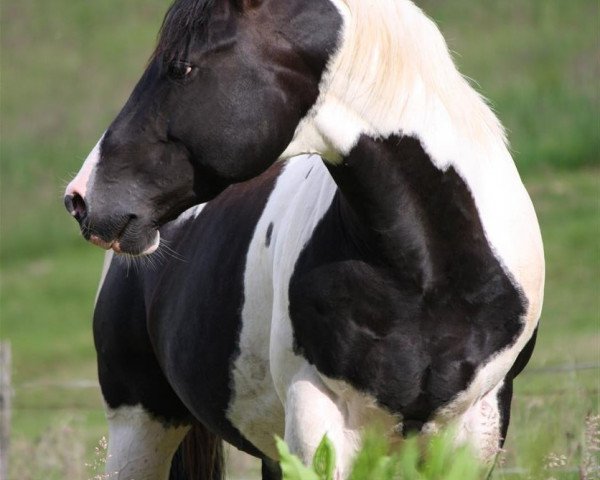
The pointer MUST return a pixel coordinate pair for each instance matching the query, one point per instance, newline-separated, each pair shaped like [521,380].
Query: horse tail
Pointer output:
[199,457]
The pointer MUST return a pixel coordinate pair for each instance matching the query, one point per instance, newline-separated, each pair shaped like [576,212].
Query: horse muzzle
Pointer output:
[122,232]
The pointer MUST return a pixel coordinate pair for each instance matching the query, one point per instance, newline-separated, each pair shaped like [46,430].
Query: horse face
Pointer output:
[218,103]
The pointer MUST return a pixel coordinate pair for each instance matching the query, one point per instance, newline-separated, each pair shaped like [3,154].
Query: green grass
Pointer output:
[46,304]
[538,63]
[68,66]
[550,407]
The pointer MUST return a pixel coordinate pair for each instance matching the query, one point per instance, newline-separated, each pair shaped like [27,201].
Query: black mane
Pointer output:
[182,22]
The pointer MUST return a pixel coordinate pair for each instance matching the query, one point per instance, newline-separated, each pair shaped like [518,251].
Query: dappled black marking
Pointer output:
[268,236]
[398,292]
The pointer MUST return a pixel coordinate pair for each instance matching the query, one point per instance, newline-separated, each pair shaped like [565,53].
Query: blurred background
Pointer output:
[67,66]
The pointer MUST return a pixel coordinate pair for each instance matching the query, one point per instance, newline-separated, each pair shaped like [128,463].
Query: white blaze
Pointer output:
[81,182]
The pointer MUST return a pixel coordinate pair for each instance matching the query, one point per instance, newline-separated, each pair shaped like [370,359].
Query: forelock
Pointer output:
[182,22]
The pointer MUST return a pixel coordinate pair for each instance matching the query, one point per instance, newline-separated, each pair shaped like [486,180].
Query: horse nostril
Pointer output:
[76,206]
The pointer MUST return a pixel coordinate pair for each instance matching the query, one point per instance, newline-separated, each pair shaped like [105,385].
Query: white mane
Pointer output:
[393,73]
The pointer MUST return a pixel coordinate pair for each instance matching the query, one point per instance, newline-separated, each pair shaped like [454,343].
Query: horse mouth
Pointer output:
[128,241]
[115,245]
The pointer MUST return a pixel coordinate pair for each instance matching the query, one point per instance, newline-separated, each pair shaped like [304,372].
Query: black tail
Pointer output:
[199,457]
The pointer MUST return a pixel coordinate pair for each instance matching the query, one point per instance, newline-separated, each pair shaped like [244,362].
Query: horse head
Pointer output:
[221,97]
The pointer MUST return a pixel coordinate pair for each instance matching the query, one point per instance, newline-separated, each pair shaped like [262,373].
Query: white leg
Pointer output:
[480,426]
[139,446]
[313,410]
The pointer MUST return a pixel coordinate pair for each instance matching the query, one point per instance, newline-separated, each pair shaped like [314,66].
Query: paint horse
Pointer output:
[392,271]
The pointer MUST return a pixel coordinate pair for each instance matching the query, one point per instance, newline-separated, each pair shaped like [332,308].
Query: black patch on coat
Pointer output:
[128,371]
[268,236]
[505,393]
[398,292]
[165,337]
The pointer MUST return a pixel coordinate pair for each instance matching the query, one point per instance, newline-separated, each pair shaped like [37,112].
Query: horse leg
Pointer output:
[140,447]
[313,410]
[485,424]
[481,426]
[147,421]
[270,470]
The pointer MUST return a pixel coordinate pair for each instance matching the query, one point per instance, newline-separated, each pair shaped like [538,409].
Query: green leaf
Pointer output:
[373,461]
[374,447]
[324,459]
[291,466]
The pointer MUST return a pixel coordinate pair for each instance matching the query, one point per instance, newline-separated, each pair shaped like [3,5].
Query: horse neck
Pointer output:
[393,79]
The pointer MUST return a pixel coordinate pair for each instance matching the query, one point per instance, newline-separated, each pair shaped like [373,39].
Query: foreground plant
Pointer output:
[436,460]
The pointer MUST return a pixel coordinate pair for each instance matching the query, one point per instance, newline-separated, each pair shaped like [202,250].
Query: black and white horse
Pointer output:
[368,252]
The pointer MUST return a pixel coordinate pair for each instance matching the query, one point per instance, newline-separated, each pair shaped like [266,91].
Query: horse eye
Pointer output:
[180,70]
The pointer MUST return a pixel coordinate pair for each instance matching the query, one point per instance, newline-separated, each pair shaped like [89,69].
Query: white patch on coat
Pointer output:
[189,214]
[153,247]
[317,406]
[296,204]
[108,256]
[274,391]
[393,74]
[139,446]
[81,183]
[314,410]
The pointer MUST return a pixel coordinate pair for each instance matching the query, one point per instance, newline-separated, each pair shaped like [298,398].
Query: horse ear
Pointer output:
[245,5]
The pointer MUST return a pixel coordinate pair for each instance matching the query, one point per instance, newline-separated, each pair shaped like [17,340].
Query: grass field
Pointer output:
[67,67]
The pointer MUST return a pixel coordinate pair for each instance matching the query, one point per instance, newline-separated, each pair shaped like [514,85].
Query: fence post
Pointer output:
[5,406]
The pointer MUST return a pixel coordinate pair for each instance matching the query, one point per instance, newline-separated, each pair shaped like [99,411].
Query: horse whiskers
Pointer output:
[139,263]
[86,229]
[63,185]
[165,250]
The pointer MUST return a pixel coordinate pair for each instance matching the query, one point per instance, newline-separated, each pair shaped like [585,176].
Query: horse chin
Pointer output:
[154,245]
[126,249]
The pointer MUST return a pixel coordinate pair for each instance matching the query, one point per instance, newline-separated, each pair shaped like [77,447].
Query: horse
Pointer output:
[335,235]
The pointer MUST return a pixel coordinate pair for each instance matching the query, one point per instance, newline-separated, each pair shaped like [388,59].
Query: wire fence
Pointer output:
[26,388]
